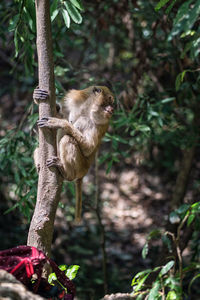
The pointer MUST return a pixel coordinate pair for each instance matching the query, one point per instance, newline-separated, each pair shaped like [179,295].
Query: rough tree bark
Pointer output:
[183,177]
[49,182]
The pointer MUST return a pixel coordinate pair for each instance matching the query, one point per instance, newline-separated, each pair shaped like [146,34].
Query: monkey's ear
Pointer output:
[96,90]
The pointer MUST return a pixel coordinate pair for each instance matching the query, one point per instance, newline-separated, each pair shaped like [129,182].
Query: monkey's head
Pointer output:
[102,106]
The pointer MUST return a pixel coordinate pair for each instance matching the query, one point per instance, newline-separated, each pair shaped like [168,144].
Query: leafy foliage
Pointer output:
[149,51]
[23,25]
[70,272]
[169,280]
[17,146]
[184,25]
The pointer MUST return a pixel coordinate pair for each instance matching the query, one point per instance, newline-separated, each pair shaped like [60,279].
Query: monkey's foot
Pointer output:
[54,161]
[40,95]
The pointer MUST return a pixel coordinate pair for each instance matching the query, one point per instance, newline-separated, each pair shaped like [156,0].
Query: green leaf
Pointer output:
[167,242]
[54,15]
[188,46]
[16,43]
[145,250]
[54,6]
[153,113]
[190,219]
[98,281]
[73,12]
[142,273]
[172,296]
[161,4]
[186,17]
[72,271]
[196,206]
[166,100]
[66,17]
[17,178]
[109,166]
[11,208]
[119,139]
[174,218]
[103,158]
[182,12]
[63,267]
[78,4]
[193,15]
[139,276]
[179,79]
[30,5]
[166,268]
[182,209]
[154,291]
[143,128]
[170,7]
[172,282]
[140,283]
[154,234]
[52,277]
[13,23]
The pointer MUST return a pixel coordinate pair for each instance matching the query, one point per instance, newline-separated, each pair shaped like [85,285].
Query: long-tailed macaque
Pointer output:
[81,123]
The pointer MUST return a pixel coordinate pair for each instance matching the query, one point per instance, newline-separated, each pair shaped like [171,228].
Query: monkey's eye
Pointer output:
[96,90]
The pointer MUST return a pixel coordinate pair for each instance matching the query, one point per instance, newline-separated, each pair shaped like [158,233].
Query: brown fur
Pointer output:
[86,114]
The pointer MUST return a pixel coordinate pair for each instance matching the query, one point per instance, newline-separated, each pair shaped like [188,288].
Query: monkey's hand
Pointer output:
[40,95]
[54,123]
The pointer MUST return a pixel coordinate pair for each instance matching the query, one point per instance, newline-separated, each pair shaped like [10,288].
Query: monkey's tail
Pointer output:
[78,209]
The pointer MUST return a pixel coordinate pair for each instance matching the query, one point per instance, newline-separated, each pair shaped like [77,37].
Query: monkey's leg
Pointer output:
[76,166]
[72,165]
[86,145]
[56,162]
[67,158]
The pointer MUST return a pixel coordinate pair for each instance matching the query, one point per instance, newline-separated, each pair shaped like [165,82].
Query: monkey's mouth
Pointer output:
[109,109]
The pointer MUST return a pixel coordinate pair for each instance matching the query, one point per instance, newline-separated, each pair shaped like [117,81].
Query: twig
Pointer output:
[176,241]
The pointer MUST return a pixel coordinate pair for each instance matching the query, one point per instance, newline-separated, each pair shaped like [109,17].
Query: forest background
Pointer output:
[141,209]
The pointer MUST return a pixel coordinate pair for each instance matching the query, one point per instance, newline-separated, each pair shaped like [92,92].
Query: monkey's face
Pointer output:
[102,107]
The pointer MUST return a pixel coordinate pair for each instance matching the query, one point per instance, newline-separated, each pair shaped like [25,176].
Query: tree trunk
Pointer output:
[49,182]
[183,177]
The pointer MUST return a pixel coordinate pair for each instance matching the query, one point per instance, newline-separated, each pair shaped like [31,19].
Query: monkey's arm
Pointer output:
[87,143]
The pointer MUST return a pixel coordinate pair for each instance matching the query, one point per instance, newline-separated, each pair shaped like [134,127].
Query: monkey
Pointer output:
[81,125]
